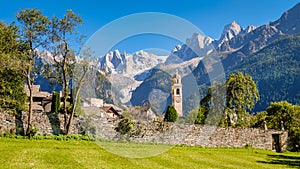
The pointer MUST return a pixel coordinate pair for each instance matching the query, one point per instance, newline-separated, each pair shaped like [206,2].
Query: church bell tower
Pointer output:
[177,94]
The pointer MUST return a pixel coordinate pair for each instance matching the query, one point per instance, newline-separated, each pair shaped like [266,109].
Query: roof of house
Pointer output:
[109,109]
[98,110]
[36,91]
[118,109]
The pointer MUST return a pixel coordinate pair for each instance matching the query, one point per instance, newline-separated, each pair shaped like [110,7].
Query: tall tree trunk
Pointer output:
[65,81]
[72,113]
[65,97]
[30,85]
[75,102]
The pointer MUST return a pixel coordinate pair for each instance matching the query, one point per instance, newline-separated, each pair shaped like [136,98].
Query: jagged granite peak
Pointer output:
[198,41]
[248,29]
[197,45]
[289,22]
[252,39]
[230,31]
[257,36]
[45,57]
[176,48]
[112,61]
[246,44]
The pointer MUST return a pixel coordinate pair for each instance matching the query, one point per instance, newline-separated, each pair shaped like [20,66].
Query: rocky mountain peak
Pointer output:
[176,48]
[129,64]
[289,22]
[198,41]
[198,45]
[112,61]
[249,29]
[230,31]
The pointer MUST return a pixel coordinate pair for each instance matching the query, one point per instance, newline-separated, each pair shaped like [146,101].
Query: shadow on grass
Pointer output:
[288,160]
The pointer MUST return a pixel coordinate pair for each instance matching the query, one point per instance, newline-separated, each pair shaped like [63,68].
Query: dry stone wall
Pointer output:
[158,132]
[210,136]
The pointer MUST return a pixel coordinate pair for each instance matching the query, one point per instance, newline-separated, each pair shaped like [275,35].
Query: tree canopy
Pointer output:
[171,114]
[12,95]
[240,94]
[63,34]
[33,32]
[284,115]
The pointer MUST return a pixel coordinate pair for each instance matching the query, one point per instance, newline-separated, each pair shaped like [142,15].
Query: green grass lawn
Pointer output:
[24,153]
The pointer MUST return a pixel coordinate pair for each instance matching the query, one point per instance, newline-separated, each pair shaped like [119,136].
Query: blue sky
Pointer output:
[208,15]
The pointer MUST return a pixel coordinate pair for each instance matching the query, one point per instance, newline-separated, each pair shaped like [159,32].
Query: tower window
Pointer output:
[177,91]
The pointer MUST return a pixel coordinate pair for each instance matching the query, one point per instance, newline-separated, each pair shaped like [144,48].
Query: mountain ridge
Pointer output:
[244,44]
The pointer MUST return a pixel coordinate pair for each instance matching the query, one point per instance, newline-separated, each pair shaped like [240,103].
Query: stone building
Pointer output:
[87,102]
[40,98]
[97,106]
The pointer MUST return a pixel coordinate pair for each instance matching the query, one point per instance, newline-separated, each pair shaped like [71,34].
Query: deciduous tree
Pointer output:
[64,39]
[12,95]
[228,103]
[241,95]
[33,32]
[79,73]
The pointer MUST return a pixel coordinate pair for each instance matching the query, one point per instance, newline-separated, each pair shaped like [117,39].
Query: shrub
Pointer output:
[258,121]
[125,126]
[55,102]
[59,137]
[197,116]
[171,114]
[288,115]
[32,131]
[87,128]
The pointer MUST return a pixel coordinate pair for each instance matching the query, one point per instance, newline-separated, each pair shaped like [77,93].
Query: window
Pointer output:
[177,91]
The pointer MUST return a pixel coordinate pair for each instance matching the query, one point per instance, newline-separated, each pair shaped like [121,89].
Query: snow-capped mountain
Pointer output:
[252,38]
[113,62]
[128,71]
[198,41]
[129,65]
[141,61]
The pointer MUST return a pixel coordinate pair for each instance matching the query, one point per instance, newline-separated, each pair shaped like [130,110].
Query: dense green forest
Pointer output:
[275,69]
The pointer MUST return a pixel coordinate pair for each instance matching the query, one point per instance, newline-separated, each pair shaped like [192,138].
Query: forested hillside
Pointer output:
[276,70]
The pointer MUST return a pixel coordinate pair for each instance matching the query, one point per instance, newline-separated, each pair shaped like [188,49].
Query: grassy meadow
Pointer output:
[25,153]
